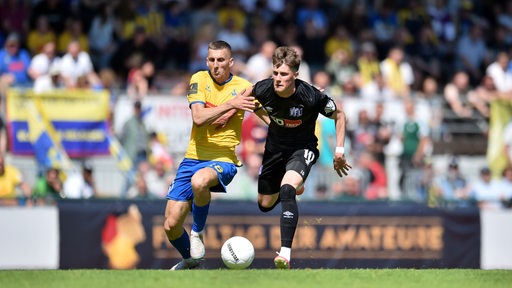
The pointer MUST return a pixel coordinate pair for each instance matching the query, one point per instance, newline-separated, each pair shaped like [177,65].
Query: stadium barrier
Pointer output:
[109,234]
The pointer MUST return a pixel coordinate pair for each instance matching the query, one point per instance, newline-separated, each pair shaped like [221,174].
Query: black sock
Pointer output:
[267,209]
[289,214]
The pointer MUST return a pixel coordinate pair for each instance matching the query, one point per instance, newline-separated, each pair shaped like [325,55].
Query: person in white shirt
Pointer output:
[497,70]
[75,64]
[259,65]
[81,185]
[41,63]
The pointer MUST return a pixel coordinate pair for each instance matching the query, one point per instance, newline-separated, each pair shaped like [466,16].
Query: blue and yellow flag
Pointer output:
[47,147]
[124,163]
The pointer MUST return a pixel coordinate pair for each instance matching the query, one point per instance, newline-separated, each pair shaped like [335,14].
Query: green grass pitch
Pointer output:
[264,278]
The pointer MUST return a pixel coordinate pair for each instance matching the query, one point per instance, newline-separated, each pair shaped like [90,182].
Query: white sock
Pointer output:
[192,232]
[286,253]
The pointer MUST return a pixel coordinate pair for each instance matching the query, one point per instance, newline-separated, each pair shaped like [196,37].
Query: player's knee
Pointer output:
[265,209]
[199,183]
[170,225]
[287,192]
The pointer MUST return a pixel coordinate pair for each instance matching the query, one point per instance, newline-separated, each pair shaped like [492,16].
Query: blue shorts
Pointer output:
[181,188]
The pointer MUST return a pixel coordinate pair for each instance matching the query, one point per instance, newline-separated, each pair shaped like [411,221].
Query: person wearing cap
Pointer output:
[14,63]
[486,191]
[452,187]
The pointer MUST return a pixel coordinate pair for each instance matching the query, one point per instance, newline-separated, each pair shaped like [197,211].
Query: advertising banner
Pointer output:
[128,235]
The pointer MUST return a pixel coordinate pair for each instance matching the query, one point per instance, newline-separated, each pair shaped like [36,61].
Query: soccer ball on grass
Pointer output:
[237,252]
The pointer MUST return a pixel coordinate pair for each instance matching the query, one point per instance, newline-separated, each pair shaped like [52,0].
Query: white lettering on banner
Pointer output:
[170,116]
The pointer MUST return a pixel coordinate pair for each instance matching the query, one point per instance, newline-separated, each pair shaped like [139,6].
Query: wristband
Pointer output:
[340,150]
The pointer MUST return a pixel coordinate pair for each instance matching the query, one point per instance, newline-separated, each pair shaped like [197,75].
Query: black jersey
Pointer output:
[293,119]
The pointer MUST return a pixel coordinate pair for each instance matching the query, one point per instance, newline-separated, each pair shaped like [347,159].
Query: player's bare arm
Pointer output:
[202,115]
[339,162]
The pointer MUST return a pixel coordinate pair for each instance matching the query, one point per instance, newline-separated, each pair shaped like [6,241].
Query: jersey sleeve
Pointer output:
[327,104]
[196,89]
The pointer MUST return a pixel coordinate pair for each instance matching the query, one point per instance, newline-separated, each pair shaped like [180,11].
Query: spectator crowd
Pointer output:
[400,69]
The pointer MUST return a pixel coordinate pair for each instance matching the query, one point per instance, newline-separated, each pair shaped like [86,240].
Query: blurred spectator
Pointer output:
[158,178]
[133,52]
[150,16]
[415,141]
[56,11]
[14,15]
[383,133]
[14,63]
[282,20]
[259,65]
[81,185]
[311,38]
[426,59]
[376,189]
[505,20]
[158,151]
[41,63]
[236,37]
[11,179]
[139,189]
[340,39]
[498,71]
[75,64]
[487,191]
[506,186]
[49,81]
[40,36]
[397,73]
[458,95]
[312,13]
[368,66]
[73,33]
[101,37]
[348,189]
[452,187]
[49,186]
[322,80]
[134,137]
[254,133]
[384,23]
[206,33]
[177,32]
[443,24]
[124,15]
[362,134]
[472,54]
[430,97]
[140,81]
[341,68]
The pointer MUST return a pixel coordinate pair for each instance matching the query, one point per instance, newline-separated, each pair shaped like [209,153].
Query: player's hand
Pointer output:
[243,101]
[340,164]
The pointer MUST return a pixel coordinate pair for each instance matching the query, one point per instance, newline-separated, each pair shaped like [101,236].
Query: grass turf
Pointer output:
[265,278]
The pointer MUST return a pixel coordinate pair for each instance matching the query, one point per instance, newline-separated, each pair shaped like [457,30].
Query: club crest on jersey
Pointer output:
[296,111]
[269,109]
[208,88]
[233,93]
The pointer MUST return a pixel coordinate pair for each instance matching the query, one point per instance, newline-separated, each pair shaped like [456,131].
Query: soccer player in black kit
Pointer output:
[291,147]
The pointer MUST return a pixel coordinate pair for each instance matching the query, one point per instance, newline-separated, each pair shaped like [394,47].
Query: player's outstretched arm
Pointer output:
[202,115]
[339,162]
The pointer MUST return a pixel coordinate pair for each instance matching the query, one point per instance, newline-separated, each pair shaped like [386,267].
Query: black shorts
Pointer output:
[275,165]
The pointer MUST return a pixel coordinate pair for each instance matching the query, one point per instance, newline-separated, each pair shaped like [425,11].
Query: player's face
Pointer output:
[284,80]
[219,62]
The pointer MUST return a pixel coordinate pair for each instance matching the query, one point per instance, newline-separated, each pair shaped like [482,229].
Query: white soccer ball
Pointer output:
[237,252]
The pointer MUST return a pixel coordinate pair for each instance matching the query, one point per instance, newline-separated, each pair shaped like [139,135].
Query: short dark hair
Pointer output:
[287,56]
[219,45]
